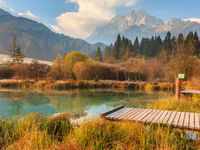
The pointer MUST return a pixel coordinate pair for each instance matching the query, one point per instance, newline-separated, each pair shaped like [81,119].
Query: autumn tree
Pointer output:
[183,59]
[71,59]
[107,54]
[57,72]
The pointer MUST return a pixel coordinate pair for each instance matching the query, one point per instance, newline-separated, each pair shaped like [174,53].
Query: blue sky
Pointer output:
[78,18]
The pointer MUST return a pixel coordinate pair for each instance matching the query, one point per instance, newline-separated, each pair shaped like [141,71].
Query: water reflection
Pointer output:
[77,102]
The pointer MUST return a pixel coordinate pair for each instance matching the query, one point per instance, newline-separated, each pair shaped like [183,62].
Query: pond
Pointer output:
[79,103]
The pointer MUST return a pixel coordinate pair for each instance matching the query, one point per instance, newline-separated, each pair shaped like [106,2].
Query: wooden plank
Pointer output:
[157,117]
[111,111]
[190,92]
[124,116]
[134,114]
[165,120]
[145,114]
[148,116]
[153,116]
[186,120]
[135,117]
[197,121]
[181,120]
[123,113]
[162,117]
[176,119]
[117,112]
[128,109]
[191,123]
[172,117]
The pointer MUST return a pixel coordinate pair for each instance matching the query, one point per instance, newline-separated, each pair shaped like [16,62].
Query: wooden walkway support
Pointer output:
[190,92]
[182,120]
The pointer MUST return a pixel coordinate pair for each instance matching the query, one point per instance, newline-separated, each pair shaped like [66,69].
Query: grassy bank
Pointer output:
[187,104]
[71,84]
[37,132]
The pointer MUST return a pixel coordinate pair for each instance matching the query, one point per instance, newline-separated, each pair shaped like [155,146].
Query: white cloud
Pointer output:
[193,19]
[30,15]
[91,14]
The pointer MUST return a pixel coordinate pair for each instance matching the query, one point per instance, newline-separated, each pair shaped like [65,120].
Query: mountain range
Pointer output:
[37,40]
[138,23]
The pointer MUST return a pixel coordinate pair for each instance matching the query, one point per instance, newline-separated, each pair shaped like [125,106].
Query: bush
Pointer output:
[7,72]
[58,126]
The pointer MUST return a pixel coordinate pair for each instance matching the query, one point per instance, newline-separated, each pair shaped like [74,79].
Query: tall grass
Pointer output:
[56,132]
[186,104]
[36,132]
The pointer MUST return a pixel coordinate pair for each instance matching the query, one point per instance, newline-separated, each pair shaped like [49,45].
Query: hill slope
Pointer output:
[37,40]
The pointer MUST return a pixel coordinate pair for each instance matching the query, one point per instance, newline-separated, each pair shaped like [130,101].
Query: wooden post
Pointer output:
[178,88]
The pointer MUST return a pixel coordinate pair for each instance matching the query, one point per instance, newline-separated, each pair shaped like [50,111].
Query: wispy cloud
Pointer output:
[91,14]
[30,15]
[4,6]
[193,19]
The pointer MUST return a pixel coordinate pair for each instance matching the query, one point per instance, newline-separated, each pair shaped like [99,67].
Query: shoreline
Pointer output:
[71,84]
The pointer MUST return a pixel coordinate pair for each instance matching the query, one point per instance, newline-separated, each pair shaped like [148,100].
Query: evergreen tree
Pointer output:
[98,55]
[15,52]
[116,47]
[197,44]
[136,46]
[167,45]
[158,44]
[190,43]
[123,47]
[144,46]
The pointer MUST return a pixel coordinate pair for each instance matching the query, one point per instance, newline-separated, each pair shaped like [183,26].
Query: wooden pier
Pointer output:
[190,92]
[182,120]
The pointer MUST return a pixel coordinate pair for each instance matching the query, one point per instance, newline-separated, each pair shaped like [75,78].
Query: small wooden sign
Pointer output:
[181,76]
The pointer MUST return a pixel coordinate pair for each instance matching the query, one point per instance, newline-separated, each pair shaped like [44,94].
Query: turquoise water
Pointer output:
[90,102]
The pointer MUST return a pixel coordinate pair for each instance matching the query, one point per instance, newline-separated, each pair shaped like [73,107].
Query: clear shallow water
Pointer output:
[90,102]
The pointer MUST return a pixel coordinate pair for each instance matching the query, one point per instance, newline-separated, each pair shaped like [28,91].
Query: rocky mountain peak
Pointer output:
[175,21]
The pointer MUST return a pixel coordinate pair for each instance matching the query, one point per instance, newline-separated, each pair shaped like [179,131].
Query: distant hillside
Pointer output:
[139,23]
[37,40]
[5,59]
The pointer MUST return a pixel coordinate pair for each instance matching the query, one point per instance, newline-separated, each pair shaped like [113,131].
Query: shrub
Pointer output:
[58,126]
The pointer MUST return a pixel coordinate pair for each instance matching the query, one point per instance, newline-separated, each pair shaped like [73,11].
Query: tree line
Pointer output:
[123,48]
[150,59]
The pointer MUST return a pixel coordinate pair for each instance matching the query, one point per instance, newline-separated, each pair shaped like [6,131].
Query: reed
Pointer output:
[36,132]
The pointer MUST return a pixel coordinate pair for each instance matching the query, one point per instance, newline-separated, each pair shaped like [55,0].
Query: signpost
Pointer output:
[178,85]
[181,76]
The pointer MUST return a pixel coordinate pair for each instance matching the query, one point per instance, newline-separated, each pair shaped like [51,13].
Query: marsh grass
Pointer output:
[56,132]
[36,132]
[186,104]
[72,84]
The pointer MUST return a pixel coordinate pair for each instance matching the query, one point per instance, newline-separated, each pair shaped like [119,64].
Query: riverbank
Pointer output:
[71,84]
[37,132]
